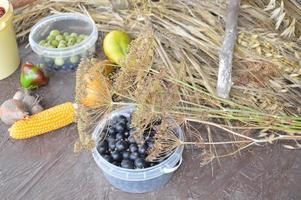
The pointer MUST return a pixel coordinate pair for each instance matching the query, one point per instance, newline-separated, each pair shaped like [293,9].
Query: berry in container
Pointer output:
[61,40]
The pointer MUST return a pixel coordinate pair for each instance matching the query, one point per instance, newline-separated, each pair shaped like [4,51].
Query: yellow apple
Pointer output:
[116,45]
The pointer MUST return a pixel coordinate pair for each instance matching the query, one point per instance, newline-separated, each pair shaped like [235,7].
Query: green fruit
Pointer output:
[59,37]
[42,42]
[61,46]
[116,46]
[72,39]
[74,59]
[66,34]
[59,61]
[50,37]
[78,40]
[73,35]
[70,44]
[82,36]
[63,42]
[54,32]
[54,43]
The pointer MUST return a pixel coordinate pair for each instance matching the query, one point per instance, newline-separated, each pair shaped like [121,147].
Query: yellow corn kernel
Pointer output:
[43,122]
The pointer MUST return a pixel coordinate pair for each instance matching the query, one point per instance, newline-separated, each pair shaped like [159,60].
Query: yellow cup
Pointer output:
[9,55]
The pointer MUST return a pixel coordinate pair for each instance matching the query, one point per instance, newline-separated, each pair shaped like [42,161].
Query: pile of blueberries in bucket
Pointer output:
[120,148]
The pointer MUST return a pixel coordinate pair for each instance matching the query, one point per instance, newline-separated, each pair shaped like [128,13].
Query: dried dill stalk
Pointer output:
[94,99]
[137,63]
[165,142]
[154,98]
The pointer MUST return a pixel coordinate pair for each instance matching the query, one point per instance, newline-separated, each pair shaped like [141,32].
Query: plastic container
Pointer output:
[68,58]
[9,55]
[137,180]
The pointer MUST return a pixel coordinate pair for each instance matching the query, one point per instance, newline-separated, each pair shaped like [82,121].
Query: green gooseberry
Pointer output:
[72,39]
[73,35]
[70,44]
[59,37]
[42,42]
[82,36]
[54,32]
[59,61]
[54,43]
[61,46]
[74,59]
[78,40]
[50,37]
[62,42]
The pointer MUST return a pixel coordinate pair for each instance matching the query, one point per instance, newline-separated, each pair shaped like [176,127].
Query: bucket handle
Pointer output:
[170,170]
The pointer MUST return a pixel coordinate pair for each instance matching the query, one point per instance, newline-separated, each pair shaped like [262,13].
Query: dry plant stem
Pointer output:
[224,81]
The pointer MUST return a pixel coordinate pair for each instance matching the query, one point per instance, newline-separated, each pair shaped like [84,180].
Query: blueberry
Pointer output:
[116,163]
[133,148]
[140,163]
[131,139]
[121,145]
[126,134]
[113,121]
[101,150]
[120,128]
[152,164]
[64,68]
[111,138]
[73,66]
[123,119]
[49,61]
[134,156]
[102,147]
[142,149]
[112,145]
[116,155]
[111,131]
[108,158]
[126,155]
[150,145]
[128,125]
[119,136]
[127,164]
[143,156]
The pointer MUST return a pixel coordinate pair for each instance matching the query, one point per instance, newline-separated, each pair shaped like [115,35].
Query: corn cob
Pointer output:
[43,122]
